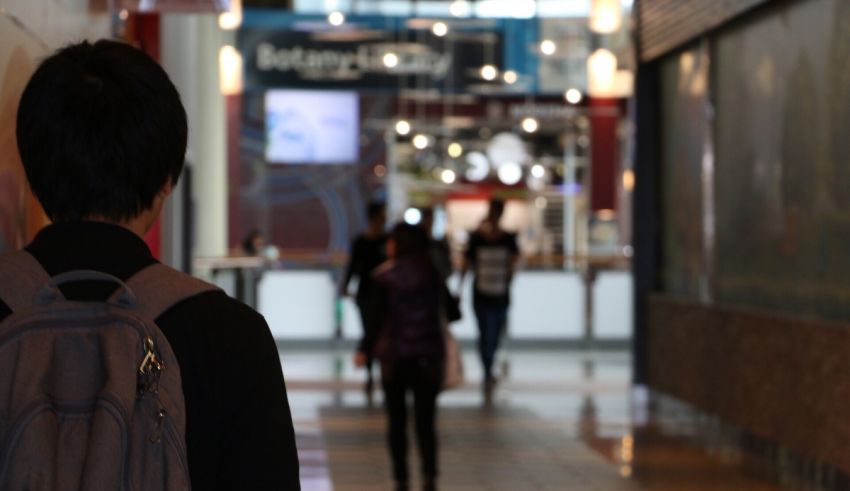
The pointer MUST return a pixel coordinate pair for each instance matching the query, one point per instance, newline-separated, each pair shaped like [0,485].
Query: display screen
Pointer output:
[312,127]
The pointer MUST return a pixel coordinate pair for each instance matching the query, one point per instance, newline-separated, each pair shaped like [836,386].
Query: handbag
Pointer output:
[453,375]
[451,304]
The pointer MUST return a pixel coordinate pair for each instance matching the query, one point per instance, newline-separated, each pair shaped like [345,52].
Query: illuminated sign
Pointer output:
[292,58]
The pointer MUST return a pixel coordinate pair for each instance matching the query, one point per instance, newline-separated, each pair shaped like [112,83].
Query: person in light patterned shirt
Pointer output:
[492,255]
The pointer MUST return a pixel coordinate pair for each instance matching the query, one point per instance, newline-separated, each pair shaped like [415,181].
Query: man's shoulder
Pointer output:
[216,307]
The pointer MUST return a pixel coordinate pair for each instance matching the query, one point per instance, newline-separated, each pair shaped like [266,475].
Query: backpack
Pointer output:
[90,392]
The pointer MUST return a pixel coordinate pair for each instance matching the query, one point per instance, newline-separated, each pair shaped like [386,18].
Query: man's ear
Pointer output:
[166,189]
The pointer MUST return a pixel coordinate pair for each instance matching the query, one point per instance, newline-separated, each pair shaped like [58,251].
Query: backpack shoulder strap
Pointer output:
[158,288]
[21,278]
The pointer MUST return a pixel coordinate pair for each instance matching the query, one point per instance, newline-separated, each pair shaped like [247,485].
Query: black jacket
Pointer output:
[239,430]
[410,307]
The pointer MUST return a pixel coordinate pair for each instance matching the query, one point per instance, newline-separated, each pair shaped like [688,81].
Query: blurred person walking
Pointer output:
[368,251]
[440,251]
[492,254]
[410,346]
[253,244]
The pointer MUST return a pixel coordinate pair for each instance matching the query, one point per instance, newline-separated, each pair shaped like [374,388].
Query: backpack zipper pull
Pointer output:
[150,369]
[160,424]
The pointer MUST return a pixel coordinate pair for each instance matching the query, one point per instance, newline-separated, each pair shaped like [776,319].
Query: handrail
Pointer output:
[337,259]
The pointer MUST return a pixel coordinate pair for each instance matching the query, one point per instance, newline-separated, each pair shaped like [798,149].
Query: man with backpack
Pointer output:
[107,357]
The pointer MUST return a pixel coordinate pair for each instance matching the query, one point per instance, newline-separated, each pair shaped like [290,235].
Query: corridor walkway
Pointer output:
[562,421]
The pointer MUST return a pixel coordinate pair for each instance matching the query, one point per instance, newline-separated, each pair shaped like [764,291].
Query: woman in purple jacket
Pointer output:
[410,346]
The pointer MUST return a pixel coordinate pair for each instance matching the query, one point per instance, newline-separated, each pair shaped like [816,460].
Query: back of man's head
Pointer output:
[496,209]
[101,131]
[375,210]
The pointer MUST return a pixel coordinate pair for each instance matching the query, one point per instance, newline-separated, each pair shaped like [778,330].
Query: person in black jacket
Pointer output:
[410,346]
[368,251]
[102,136]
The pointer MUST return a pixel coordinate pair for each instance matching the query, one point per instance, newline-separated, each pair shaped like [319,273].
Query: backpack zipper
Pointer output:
[150,369]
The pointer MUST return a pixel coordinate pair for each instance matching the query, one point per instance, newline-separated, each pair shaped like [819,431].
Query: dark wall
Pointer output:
[750,319]
[782,379]
[755,162]
[668,24]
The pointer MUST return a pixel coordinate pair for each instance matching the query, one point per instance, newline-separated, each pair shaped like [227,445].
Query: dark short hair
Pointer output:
[100,130]
[409,240]
[375,209]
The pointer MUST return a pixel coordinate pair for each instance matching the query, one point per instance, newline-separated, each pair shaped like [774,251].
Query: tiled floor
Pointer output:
[561,421]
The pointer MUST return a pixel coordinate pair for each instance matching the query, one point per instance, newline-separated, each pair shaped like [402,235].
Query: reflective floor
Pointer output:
[560,421]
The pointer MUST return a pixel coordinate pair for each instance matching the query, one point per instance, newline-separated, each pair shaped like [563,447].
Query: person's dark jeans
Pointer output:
[423,377]
[491,324]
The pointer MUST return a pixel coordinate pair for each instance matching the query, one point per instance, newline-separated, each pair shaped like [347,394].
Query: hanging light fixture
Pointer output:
[230,70]
[232,18]
[601,73]
[606,16]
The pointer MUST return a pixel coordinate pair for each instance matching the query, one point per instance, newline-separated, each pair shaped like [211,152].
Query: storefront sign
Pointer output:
[354,63]
[302,59]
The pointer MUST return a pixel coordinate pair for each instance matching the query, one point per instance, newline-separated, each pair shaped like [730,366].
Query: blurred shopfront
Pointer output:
[441,105]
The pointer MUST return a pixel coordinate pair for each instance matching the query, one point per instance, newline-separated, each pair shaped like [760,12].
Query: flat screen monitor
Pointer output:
[312,127]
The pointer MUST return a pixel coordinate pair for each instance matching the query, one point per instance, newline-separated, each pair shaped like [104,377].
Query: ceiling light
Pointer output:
[229,20]
[460,8]
[510,173]
[605,16]
[530,125]
[628,180]
[479,166]
[440,29]
[448,176]
[336,18]
[402,127]
[601,73]
[390,60]
[420,141]
[455,150]
[548,47]
[412,216]
[573,96]
[538,171]
[230,70]
[510,77]
[489,72]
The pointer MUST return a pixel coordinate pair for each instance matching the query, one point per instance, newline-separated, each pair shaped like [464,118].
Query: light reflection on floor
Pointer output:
[560,421]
